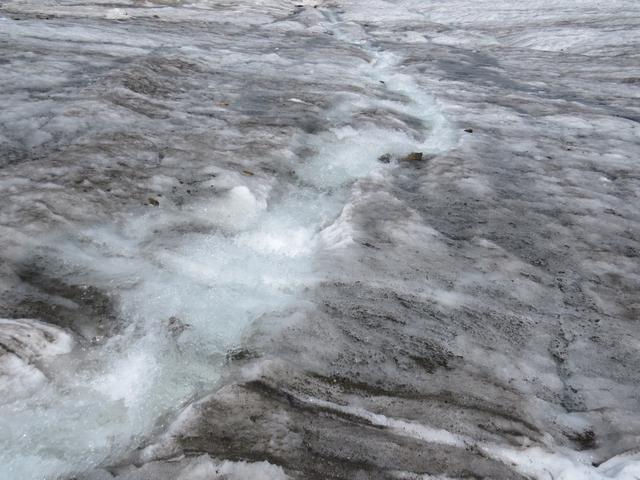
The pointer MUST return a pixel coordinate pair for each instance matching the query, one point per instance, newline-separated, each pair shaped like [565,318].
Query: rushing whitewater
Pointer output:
[364,240]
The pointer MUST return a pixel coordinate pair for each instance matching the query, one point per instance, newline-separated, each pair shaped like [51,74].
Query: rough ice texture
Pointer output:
[206,272]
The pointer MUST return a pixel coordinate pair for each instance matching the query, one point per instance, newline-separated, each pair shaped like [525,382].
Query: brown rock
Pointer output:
[414,157]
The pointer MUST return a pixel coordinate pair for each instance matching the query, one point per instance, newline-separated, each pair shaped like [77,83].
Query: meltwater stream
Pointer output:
[185,297]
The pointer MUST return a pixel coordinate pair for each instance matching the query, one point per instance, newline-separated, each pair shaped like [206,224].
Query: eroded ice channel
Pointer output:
[185,297]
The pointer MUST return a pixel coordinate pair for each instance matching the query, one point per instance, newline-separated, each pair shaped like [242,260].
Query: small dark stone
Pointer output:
[386,158]
[468,130]
[153,201]
[248,173]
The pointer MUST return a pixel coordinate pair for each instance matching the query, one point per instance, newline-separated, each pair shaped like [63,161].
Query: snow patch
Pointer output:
[204,468]
[116,14]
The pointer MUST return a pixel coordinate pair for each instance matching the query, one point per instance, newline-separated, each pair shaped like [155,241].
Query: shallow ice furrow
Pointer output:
[552,460]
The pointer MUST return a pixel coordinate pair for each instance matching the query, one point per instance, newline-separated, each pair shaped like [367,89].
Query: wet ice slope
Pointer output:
[207,273]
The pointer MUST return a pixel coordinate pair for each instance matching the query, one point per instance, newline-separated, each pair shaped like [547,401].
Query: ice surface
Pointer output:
[206,272]
[536,462]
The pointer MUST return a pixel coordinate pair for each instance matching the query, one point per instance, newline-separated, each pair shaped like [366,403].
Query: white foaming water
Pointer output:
[186,296]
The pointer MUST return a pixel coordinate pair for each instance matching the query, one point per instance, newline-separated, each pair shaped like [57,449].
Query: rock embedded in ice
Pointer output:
[413,157]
